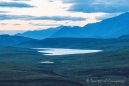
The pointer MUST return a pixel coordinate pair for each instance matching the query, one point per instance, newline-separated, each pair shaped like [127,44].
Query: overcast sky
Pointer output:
[40,14]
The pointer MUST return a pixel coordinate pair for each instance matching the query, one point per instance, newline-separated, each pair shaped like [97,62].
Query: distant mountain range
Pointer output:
[124,37]
[12,40]
[108,28]
[40,34]
[72,32]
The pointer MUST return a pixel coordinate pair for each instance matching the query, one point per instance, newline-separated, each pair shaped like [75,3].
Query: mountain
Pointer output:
[68,32]
[108,28]
[12,40]
[40,34]
[124,37]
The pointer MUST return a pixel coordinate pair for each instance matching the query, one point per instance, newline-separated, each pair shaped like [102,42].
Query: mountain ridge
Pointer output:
[108,28]
[39,34]
[9,40]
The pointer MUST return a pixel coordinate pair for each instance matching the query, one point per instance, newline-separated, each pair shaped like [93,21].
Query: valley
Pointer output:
[26,66]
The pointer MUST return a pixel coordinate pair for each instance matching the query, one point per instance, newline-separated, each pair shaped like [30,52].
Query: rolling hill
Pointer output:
[67,70]
[12,40]
[78,43]
[124,37]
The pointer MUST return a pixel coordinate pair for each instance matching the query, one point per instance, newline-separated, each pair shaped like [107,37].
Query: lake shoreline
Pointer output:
[62,51]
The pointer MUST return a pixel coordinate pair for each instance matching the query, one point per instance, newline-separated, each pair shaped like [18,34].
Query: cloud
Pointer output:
[16,24]
[60,18]
[15,5]
[14,17]
[92,6]
[3,24]
[50,0]
[107,15]
[21,0]
[42,24]
[4,11]
[28,17]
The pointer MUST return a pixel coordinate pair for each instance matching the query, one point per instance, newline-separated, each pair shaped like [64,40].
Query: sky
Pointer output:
[22,15]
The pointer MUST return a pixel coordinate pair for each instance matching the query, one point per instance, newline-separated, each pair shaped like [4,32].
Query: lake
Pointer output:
[61,51]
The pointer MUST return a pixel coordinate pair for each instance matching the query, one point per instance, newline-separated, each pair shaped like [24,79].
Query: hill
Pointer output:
[78,43]
[124,37]
[12,40]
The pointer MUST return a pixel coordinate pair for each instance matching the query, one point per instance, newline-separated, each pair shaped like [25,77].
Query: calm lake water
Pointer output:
[61,51]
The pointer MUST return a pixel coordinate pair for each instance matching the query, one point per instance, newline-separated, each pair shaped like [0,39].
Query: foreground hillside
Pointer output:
[22,67]
[78,43]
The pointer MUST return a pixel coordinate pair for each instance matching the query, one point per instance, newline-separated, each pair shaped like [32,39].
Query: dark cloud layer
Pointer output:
[21,0]
[60,18]
[28,17]
[42,24]
[89,6]
[15,5]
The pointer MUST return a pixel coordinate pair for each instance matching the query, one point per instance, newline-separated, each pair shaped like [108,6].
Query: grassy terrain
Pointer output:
[22,67]
[78,43]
